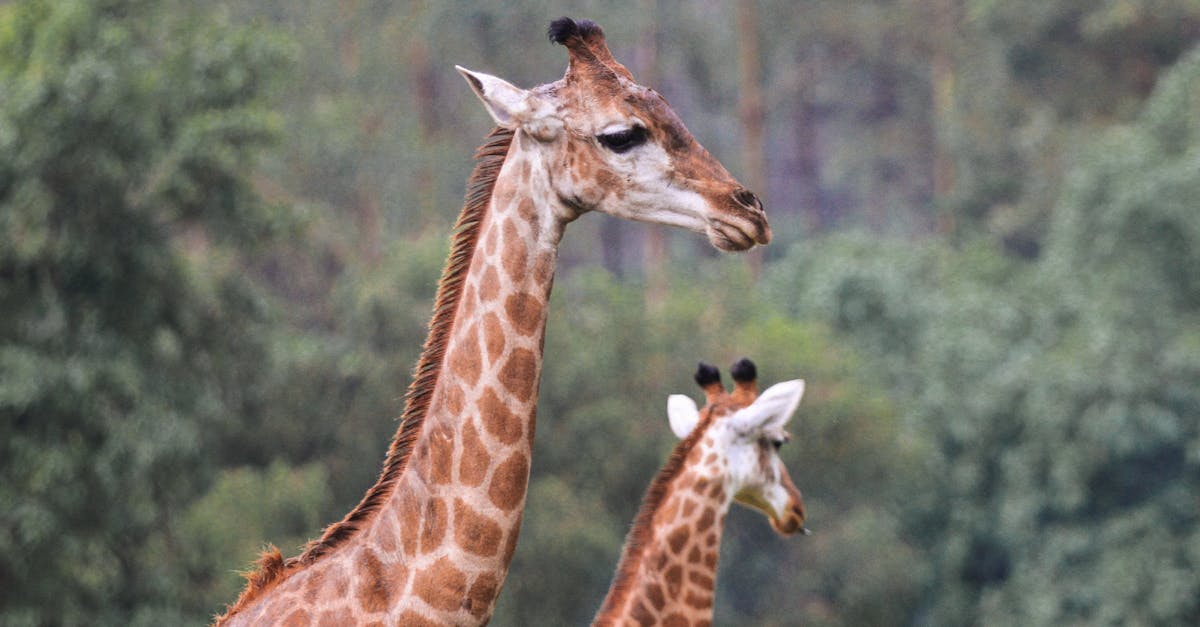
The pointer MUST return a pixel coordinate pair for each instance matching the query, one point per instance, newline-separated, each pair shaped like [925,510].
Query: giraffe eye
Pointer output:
[777,442]
[623,140]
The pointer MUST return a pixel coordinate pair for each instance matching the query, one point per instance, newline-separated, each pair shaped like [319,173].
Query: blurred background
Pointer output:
[221,225]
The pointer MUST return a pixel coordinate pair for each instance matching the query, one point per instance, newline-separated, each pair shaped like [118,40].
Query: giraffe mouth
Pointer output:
[788,523]
[732,234]
[791,523]
[790,526]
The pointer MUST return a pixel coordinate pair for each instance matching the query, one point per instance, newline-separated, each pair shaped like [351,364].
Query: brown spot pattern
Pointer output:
[700,601]
[700,579]
[503,194]
[441,454]
[503,424]
[464,358]
[519,374]
[526,209]
[452,398]
[336,618]
[372,592]
[385,533]
[489,286]
[706,520]
[510,545]
[675,620]
[677,539]
[341,583]
[312,587]
[407,514]
[642,615]
[433,524]
[410,618]
[473,465]
[493,337]
[543,268]
[674,579]
[481,595]
[507,491]
[474,532]
[525,312]
[516,253]
[298,618]
[609,181]
[654,594]
[441,585]
[667,513]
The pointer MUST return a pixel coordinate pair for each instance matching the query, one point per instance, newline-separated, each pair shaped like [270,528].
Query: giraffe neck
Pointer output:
[670,579]
[454,516]
[431,542]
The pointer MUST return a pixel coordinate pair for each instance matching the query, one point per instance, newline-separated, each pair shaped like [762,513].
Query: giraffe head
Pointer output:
[608,144]
[745,431]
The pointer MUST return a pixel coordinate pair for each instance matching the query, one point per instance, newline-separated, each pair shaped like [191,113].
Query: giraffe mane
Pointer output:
[640,534]
[272,568]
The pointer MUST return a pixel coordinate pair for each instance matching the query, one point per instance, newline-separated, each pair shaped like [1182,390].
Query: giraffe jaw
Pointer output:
[789,523]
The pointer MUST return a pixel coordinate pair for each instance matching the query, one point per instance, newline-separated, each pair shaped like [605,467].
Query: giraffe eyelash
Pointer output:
[623,140]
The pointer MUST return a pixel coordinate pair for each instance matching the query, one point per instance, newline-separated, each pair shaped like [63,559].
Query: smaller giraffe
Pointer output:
[729,452]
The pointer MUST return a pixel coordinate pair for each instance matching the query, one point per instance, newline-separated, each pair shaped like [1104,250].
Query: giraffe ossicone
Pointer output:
[431,541]
[729,452]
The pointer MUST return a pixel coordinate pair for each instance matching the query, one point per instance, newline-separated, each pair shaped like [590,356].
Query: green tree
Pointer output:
[1059,398]
[129,338]
[602,434]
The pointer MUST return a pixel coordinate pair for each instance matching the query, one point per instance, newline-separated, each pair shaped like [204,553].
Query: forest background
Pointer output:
[221,225]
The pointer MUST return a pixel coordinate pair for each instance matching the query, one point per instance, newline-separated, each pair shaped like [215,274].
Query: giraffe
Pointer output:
[431,541]
[729,452]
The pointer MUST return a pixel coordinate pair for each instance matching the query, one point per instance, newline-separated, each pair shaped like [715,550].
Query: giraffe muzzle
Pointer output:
[791,523]
[742,223]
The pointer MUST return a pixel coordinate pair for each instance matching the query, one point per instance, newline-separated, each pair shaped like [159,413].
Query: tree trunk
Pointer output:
[654,244]
[942,84]
[752,112]
[806,167]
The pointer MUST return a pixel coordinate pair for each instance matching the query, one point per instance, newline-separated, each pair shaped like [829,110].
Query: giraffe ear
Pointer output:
[771,410]
[512,107]
[683,414]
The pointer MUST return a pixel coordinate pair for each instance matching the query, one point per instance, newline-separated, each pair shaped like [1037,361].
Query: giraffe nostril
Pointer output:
[747,199]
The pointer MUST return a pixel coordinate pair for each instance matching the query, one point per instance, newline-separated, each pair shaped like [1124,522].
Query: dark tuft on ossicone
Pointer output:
[743,370]
[707,374]
[564,28]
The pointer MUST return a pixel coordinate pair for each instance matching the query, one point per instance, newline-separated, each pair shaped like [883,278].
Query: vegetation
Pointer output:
[220,233]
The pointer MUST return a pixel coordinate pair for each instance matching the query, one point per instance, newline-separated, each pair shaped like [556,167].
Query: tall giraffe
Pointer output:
[668,569]
[431,541]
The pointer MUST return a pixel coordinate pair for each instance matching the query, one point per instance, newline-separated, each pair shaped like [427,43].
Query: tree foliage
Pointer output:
[1059,396]
[985,265]
[122,128]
